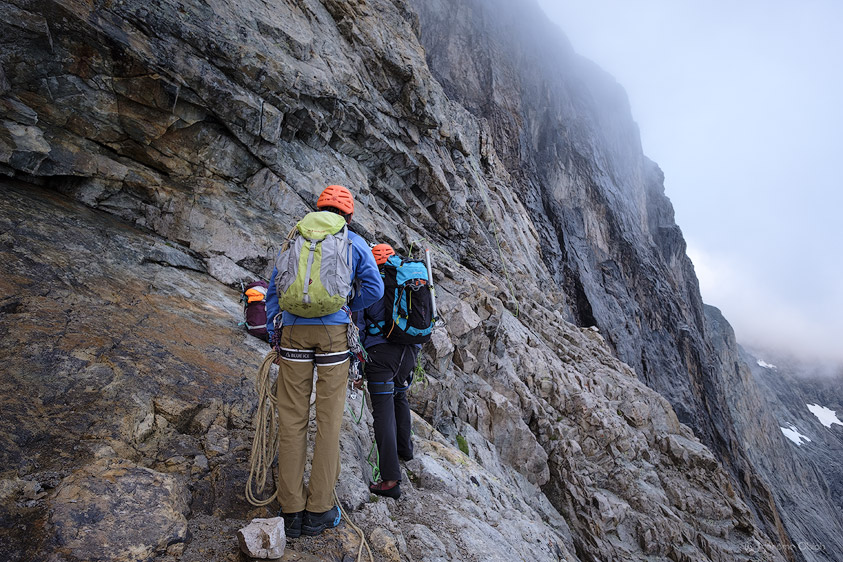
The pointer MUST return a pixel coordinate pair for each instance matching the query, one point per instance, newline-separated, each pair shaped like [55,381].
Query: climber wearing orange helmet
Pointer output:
[342,261]
[382,253]
[388,374]
[338,199]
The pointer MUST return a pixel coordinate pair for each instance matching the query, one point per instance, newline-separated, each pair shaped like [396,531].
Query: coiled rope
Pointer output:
[265,441]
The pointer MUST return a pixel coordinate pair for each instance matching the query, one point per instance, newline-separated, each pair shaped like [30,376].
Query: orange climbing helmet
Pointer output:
[382,253]
[338,197]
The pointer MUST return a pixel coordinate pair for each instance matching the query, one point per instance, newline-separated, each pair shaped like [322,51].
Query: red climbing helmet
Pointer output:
[338,197]
[382,253]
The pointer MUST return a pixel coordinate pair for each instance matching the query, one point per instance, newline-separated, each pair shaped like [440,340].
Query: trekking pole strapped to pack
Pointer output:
[428,264]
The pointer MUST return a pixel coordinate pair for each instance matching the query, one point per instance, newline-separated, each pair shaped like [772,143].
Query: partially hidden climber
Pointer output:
[311,286]
[391,358]
[253,298]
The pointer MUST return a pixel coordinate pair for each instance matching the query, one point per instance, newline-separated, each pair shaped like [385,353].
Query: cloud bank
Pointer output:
[766,316]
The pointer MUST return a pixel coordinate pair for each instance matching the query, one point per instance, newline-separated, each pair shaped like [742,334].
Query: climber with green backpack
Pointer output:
[322,273]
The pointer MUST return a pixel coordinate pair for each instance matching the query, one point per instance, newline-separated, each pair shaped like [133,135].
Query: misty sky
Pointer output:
[741,105]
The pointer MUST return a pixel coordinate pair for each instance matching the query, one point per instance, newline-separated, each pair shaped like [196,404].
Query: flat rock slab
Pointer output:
[118,511]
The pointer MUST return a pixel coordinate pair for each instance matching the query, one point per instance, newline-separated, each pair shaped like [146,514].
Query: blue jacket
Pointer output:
[374,312]
[367,279]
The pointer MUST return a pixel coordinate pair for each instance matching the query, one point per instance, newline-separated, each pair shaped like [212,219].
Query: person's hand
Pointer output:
[358,384]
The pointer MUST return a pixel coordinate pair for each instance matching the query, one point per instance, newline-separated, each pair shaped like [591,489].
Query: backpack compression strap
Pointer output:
[305,297]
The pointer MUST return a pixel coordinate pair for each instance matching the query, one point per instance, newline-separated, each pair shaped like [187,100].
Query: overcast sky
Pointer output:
[741,105]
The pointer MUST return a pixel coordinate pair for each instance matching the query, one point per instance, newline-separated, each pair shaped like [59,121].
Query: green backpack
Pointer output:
[315,266]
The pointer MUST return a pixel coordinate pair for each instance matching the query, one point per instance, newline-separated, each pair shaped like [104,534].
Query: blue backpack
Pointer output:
[409,304]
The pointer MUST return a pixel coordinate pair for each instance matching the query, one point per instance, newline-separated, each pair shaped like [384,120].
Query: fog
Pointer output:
[741,105]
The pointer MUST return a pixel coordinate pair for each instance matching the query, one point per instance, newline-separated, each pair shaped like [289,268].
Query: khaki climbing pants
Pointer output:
[304,346]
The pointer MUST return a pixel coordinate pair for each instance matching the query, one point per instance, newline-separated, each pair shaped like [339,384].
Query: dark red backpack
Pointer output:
[254,308]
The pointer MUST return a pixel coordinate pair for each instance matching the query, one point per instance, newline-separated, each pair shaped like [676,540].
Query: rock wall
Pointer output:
[210,127]
[563,130]
[808,526]
[812,467]
[131,442]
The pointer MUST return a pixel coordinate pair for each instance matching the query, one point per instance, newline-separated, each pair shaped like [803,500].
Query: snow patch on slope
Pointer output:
[793,434]
[826,416]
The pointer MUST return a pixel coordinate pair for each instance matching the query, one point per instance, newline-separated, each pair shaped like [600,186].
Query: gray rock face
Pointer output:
[114,510]
[790,387]
[551,449]
[761,402]
[562,130]
[208,129]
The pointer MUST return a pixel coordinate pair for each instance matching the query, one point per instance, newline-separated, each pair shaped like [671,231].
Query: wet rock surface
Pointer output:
[199,132]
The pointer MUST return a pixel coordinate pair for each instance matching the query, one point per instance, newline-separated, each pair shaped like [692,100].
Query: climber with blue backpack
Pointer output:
[322,273]
[392,331]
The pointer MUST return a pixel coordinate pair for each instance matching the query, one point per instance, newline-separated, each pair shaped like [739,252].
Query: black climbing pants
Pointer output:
[389,372]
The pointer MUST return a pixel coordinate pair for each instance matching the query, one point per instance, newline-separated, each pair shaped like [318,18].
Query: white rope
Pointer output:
[363,541]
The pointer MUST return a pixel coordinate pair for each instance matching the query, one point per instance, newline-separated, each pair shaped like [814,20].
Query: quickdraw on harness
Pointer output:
[357,352]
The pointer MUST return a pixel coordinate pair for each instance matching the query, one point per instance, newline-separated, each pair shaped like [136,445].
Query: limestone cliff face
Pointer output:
[804,483]
[795,386]
[207,129]
[127,406]
[563,131]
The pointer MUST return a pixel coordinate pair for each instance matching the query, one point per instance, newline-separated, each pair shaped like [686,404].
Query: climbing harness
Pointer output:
[265,441]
